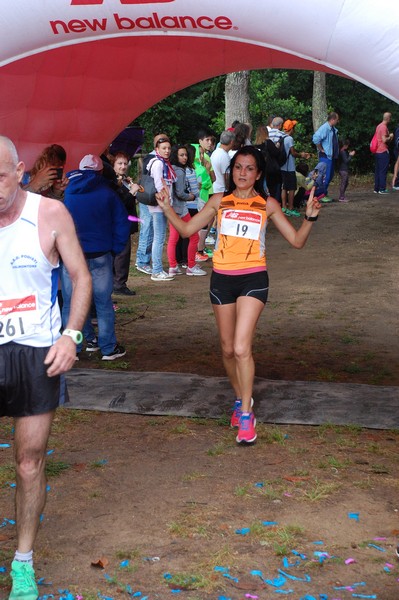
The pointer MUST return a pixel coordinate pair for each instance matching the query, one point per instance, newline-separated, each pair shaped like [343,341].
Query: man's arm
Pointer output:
[59,238]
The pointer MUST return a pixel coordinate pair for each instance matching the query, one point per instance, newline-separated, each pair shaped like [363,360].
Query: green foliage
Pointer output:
[286,93]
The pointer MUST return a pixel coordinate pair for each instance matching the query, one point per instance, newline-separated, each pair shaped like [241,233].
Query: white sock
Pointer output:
[24,557]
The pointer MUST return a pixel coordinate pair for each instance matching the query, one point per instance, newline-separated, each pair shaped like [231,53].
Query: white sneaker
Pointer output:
[175,271]
[162,276]
[195,271]
[144,269]
[210,240]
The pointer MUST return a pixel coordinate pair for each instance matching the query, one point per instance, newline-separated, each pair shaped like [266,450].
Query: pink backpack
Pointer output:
[374,143]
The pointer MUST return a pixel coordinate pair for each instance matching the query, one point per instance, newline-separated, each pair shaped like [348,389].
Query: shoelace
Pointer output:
[22,579]
[245,422]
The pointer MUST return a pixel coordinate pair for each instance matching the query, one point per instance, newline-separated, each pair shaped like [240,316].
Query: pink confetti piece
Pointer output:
[132,218]
[380,539]
[250,596]
[288,494]
[389,565]
[350,561]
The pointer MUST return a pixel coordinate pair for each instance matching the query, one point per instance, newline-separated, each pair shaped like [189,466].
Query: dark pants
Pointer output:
[343,183]
[381,171]
[122,265]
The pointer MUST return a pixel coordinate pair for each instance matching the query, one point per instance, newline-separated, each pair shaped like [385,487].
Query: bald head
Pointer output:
[8,148]
[386,117]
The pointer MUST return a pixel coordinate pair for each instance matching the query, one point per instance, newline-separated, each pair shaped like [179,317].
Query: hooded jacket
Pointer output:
[100,218]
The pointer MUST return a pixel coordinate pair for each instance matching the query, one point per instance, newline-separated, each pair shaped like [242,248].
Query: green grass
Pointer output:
[55,468]
[320,491]
[7,474]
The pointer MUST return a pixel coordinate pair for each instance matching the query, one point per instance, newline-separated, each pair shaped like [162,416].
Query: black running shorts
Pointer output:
[25,388]
[225,289]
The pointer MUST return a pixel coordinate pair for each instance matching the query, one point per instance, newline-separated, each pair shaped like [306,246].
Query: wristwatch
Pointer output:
[77,336]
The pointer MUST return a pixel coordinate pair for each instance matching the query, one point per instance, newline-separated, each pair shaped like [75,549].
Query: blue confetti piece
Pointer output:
[224,598]
[301,556]
[50,452]
[351,585]
[221,569]
[288,576]
[12,485]
[363,596]
[277,582]
[323,597]
[269,523]
[109,578]
[3,570]
[379,548]
[42,581]
[124,563]
[283,591]
[287,564]
[257,574]
[307,597]
[259,484]
[230,577]
[48,488]
[175,591]
[5,445]
[167,576]
[136,594]
[354,516]
[243,531]
[318,543]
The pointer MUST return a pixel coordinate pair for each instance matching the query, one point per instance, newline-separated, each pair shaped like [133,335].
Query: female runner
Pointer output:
[239,282]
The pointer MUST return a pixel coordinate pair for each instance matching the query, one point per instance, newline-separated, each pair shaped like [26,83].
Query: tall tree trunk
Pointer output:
[319,100]
[237,98]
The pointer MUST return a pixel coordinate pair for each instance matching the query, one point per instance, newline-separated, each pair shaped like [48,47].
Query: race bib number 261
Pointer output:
[18,317]
[241,224]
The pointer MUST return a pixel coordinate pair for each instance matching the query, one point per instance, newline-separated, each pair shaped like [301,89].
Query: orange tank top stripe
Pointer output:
[241,225]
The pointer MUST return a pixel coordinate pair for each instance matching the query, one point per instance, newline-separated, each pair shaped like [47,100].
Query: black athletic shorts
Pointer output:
[289,180]
[25,388]
[225,289]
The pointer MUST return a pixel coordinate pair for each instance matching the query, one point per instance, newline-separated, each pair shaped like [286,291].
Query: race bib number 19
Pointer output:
[241,224]
[18,317]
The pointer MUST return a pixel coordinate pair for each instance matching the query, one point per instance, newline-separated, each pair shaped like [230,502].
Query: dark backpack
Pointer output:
[282,158]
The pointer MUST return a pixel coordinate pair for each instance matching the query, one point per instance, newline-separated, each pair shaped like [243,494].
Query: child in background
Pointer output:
[343,168]
[317,177]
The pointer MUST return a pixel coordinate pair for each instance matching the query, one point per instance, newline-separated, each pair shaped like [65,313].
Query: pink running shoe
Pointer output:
[237,412]
[246,429]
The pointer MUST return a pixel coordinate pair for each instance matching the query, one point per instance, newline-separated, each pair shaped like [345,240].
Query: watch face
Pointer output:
[79,337]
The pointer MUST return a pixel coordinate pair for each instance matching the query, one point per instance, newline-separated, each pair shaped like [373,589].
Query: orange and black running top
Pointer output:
[241,227]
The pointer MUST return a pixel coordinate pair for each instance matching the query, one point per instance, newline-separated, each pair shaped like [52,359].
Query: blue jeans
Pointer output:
[381,171]
[329,170]
[159,224]
[146,236]
[101,273]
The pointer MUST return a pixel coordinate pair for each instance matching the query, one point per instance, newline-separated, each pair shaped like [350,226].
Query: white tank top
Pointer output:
[29,311]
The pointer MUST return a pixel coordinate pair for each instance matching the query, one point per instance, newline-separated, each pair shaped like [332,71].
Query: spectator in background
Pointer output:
[382,155]
[47,176]
[180,196]
[242,134]
[344,159]
[126,190]
[162,172]
[270,153]
[288,174]
[146,231]
[103,228]
[220,160]
[277,137]
[326,141]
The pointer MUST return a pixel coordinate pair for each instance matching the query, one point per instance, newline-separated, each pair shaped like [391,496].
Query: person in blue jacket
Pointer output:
[326,141]
[103,228]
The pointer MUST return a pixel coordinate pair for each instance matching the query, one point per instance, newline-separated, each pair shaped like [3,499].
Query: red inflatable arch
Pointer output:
[76,72]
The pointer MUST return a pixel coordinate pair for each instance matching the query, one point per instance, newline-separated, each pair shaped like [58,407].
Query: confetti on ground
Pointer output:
[354,516]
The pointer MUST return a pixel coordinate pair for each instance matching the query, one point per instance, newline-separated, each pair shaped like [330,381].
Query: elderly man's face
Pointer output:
[10,177]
